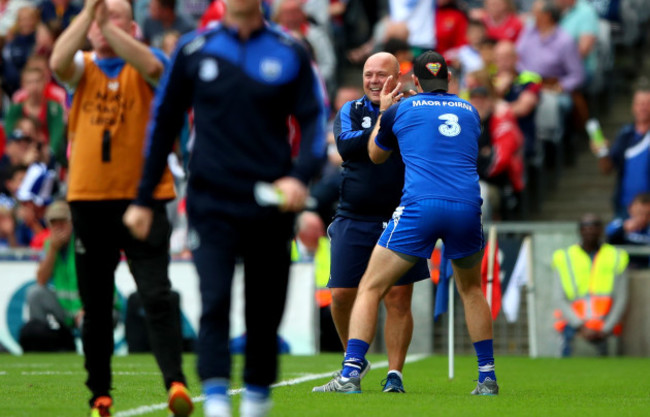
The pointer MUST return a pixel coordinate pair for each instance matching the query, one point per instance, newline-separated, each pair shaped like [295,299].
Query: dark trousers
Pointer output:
[264,245]
[100,235]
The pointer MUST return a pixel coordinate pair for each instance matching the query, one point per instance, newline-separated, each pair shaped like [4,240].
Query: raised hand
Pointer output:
[390,93]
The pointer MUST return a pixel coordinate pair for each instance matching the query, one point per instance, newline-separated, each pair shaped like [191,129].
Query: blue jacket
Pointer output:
[368,191]
[242,93]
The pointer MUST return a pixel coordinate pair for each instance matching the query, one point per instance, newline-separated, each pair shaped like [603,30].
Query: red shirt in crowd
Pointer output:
[451,26]
[507,30]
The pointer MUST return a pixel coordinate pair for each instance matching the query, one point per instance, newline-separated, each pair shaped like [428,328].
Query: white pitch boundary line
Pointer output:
[146,409]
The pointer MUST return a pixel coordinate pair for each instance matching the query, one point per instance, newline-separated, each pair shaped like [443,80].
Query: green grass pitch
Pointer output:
[52,385]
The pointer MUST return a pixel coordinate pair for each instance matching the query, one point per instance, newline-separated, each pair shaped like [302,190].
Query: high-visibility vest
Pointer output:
[321,269]
[589,285]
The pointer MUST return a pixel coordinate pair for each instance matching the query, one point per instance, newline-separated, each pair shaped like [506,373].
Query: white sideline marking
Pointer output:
[83,373]
[146,409]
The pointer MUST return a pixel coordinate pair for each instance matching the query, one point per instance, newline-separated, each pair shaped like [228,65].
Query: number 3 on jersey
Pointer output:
[450,127]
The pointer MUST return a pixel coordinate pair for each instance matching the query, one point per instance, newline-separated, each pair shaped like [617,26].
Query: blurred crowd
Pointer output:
[530,67]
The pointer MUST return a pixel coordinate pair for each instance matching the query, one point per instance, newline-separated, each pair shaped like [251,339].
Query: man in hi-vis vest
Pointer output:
[591,287]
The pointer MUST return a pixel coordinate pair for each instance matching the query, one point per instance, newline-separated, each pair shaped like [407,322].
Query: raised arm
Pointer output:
[127,47]
[70,41]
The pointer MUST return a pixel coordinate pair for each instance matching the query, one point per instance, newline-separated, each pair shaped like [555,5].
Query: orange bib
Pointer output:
[107,131]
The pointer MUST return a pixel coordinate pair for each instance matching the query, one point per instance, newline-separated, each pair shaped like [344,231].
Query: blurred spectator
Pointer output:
[169,41]
[549,51]
[401,50]
[44,40]
[57,14]
[19,47]
[34,194]
[419,18]
[52,90]
[8,14]
[48,113]
[500,161]
[19,150]
[12,177]
[635,230]
[467,58]
[486,50]
[629,154]
[162,18]
[520,90]
[607,9]
[193,9]
[580,20]
[501,20]
[451,26]
[55,297]
[290,15]
[591,295]
[7,223]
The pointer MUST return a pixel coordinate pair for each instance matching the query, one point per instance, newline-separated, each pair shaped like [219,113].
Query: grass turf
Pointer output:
[52,385]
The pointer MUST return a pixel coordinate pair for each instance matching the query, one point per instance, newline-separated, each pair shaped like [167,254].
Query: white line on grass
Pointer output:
[146,409]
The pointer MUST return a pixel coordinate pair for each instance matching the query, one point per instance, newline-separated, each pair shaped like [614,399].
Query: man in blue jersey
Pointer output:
[630,154]
[369,194]
[244,79]
[437,136]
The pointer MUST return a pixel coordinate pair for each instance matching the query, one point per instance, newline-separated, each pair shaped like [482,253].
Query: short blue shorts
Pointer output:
[352,242]
[416,227]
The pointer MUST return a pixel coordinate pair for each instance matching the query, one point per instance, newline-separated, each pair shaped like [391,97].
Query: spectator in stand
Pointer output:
[548,50]
[7,223]
[419,18]
[401,50]
[52,90]
[44,40]
[169,41]
[629,154]
[635,230]
[500,19]
[520,89]
[162,18]
[451,26]
[580,20]
[57,14]
[9,13]
[34,195]
[49,113]
[467,58]
[19,48]
[10,179]
[500,162]
[290,16]
[18,148]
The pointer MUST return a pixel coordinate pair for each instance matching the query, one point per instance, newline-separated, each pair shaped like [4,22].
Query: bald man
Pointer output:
[114,87]
[369,195]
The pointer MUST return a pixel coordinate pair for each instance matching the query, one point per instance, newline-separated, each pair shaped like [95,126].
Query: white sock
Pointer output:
[255,407]
[395,371]
[217,406]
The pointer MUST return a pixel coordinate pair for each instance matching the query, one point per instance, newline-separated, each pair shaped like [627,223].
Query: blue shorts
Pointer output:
[416,227]
[352,242]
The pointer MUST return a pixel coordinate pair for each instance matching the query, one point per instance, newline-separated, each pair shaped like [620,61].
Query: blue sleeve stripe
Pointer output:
[350,134]
[386,148]
[346,123]
[344,116]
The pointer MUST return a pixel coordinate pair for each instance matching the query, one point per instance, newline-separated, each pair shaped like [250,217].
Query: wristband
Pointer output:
[602,152]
